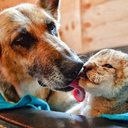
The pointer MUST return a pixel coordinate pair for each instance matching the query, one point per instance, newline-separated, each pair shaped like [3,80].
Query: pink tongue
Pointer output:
[78,92]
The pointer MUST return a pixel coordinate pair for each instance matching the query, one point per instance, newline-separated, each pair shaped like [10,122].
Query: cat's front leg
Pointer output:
[75,109]
[80,109]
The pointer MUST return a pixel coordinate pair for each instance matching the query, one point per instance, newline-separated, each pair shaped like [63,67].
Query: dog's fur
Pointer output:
[105,78]
[31,51]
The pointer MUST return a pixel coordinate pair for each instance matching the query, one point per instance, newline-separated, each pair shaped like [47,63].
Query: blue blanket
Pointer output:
[118,117]
[39,104]
[26,101]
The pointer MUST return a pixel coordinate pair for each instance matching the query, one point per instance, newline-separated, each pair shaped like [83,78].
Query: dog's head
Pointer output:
[106,74]
[30,47]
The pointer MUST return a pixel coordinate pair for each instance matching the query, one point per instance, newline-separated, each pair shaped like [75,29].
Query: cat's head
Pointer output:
[105,74]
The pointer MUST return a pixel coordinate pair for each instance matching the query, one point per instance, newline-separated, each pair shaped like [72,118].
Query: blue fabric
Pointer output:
[26,101]
[118,117]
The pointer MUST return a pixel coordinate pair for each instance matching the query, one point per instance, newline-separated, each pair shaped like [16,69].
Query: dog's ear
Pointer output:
[51,6]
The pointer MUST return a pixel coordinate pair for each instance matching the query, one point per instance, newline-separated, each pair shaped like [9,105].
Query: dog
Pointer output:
[32,53]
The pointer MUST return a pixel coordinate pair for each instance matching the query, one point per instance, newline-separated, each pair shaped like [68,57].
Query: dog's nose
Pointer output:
[73,71]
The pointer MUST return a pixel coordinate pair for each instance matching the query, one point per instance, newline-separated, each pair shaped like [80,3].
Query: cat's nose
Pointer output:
[88,67]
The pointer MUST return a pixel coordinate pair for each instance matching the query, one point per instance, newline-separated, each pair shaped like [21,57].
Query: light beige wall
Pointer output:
[104,24]
[88,25]
[8,3]
[71,24]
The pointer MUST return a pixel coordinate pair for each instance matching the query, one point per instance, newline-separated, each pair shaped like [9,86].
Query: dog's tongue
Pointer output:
[78,92]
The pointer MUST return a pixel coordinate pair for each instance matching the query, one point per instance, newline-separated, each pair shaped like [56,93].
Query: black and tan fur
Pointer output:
[31,51]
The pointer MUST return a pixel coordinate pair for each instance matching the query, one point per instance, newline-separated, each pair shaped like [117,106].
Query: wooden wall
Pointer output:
[71,24]
[88,25]
[104,23]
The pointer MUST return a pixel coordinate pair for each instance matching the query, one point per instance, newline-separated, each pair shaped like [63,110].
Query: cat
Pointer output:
[105,80]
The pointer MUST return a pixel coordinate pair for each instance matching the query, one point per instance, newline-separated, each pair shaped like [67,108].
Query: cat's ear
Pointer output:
[51,6]
[0,52]
[125,67]
[126,64]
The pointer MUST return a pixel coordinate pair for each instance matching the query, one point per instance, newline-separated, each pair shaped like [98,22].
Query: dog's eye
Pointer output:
[108,66]
[52,28]
[24,39]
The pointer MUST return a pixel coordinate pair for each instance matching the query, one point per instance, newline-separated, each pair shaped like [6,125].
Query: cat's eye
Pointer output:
[107,65]
[52,28]
[24,39]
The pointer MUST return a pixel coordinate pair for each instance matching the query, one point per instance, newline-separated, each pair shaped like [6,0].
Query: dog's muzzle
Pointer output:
[70,73]
[66,89]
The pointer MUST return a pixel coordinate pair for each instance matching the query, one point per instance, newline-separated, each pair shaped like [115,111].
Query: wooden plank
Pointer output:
[104,24]
[71,24]
[8,3]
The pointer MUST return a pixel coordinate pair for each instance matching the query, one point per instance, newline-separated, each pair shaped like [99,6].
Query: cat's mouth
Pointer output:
[85,77]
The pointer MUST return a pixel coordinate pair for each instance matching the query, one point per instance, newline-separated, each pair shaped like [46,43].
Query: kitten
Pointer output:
[105,79]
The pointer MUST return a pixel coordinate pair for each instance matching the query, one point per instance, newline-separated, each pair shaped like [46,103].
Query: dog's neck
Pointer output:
[28,88]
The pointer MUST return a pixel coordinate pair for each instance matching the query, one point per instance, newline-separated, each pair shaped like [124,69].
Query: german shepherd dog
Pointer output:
[31,51]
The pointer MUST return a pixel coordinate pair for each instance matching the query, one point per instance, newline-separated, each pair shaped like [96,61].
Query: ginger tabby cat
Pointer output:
[105,79]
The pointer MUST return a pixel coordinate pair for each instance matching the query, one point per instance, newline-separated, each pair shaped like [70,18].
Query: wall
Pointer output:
[104,23]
